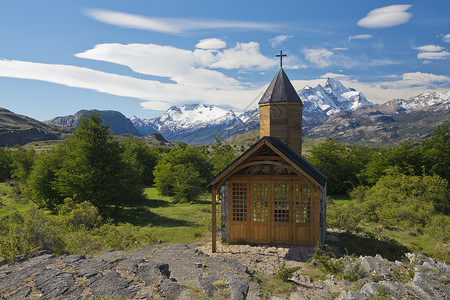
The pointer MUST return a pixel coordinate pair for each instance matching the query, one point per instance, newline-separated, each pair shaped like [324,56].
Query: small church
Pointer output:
[270,194]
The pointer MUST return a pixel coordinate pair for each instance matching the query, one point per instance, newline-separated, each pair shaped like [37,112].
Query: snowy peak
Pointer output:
[187,119]
[321,102]
[430,100]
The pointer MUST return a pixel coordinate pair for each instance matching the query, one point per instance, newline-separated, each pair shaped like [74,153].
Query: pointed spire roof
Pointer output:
[280,90]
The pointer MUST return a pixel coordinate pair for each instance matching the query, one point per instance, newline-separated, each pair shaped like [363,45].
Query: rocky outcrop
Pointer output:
[118,124]
[175,271]
[20,130]
[161,272]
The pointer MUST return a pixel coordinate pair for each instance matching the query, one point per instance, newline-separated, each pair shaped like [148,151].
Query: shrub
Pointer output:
[344,217]
[439,228]
[284,273]
[78,216]
[411,201]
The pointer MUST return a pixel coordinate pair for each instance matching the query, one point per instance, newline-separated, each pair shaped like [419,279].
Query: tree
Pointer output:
[142,157]
[5,164]
[89,166]
[22,163]
[436,151]
[41,187]
[183,172]
[405,159]
[341,163]
[221,156]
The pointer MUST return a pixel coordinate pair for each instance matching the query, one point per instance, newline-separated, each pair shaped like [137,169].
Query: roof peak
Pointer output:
[280,90]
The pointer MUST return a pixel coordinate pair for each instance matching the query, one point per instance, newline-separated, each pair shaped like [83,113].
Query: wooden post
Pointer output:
[213,219]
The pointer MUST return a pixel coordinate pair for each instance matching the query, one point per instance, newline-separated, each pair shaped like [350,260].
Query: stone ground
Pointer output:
[175,271]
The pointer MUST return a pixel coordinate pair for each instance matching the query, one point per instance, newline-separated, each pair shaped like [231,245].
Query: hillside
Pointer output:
[19,130]
[116,121]
[391,122]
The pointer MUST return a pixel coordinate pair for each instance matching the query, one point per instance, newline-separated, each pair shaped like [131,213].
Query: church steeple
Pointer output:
[281,112]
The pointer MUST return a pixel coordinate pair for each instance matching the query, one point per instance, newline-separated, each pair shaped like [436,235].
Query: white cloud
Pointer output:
[430,48]
[318,56]
[243,55]
[193,75]
[340,49]
[360,37]
[430,52]
[334,75]
[276,41]
[157,95]
[324,58]
[213,43]
[446,38]
[388,16]
[399,87]
[170,25]
[433,55]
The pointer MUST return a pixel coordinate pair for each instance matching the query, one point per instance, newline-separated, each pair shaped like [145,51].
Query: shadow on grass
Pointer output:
[142,216]
[361,245]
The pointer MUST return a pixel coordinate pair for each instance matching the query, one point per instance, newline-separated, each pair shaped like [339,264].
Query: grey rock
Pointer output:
[131,264]
[238,287]
[153,272]
[70,259]
[170,289]
[376,265]
[206,285]
[53,283]
[90,267]
[430,289]
[111,284]
[15,278]
[19,295]
[352,295]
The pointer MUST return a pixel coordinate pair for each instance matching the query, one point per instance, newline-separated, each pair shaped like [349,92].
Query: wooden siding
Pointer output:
[282,120]
[266,210]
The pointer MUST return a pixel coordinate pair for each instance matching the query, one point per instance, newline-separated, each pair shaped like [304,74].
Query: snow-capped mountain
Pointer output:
[431,101]
[387,123]
[321,102]
[194,123]
[197,123]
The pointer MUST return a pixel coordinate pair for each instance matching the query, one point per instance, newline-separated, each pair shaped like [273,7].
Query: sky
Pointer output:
[142,57]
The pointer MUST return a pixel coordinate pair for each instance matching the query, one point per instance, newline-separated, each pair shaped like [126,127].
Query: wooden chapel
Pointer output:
[271,194]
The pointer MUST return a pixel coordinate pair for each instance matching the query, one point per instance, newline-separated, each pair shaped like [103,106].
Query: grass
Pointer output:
[10,202]
[159,215]
[390,242]
[168,221]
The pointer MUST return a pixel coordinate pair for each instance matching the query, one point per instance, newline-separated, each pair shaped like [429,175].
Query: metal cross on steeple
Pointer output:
[281,57]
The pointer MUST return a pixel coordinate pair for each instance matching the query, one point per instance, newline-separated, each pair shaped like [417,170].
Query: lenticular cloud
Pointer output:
[388,16]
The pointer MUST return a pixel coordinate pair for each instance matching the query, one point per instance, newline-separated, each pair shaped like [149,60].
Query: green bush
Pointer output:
[183,173]
[32,231]
[409,201]
[439,228]
[76,216]
[345,217]
[284,273]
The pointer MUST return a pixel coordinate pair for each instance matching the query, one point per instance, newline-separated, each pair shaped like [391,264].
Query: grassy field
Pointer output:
[171,222]
[191,222]
[159,215]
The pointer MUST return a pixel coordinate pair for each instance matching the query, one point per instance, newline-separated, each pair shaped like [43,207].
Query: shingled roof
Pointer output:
[279,146]
[280,90]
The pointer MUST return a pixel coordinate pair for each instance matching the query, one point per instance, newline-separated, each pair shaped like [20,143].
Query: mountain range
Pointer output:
[332,110]
[19,130]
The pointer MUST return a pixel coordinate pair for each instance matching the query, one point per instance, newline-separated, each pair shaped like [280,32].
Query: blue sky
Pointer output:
[141,57]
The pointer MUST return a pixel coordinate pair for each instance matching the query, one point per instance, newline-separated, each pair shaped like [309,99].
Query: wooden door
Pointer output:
[303,221]
[272,212]
[260,205]
[238,211]
[280,213]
